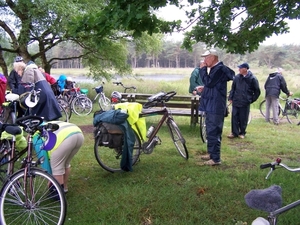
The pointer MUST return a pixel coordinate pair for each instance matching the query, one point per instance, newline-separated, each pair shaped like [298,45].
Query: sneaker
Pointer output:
[231,136]
[212,163]
[241,136]
[206,157]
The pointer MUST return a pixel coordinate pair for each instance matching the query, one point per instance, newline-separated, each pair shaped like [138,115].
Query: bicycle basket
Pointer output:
[99,89]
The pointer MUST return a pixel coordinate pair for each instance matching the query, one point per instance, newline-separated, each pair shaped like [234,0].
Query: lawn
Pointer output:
[163,188]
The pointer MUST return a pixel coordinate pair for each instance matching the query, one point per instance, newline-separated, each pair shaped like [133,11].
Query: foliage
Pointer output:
[239,26]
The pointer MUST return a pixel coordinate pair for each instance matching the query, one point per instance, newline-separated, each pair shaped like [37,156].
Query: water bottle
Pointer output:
[150,131]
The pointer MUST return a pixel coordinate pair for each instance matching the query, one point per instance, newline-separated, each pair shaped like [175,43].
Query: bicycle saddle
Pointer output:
[268,199]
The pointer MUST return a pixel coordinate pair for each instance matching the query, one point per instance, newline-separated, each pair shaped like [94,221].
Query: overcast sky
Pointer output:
[173,13]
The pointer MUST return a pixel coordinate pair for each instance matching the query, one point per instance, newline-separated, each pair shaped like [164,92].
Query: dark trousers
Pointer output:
[214,129]
[239,120]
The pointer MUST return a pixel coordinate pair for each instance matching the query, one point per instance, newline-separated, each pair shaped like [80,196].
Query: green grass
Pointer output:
[166,189]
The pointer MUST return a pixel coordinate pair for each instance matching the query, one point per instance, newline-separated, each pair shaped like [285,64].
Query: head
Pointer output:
[19,67]
[211,57]
[278,70]
[243,68]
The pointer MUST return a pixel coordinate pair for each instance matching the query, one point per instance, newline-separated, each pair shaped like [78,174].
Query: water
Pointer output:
[156,77]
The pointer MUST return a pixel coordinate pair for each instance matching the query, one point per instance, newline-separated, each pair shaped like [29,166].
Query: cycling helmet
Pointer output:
[19,59]
[116,97]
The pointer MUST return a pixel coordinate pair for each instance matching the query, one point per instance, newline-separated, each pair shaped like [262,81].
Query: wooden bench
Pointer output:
[180,105]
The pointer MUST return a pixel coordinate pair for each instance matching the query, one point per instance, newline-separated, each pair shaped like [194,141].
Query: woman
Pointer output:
[47,106]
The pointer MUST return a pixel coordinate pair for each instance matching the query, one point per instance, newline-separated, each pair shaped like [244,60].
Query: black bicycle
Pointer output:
[110,158]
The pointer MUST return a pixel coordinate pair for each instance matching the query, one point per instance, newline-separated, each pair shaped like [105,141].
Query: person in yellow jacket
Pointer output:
[60,147]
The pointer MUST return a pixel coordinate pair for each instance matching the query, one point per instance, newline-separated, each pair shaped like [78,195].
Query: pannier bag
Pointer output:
[110,135]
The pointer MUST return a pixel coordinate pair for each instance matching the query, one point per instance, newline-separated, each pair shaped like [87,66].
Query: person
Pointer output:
[14,78]
[51,80]
[273,85]
[244,91]
[47,106]
[215,76]
[195,81]
[3,82]
[58,149]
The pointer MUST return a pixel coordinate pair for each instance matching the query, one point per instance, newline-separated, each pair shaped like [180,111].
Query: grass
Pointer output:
[165,189]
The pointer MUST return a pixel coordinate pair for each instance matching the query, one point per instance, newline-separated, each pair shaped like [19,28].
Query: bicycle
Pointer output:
[103,101]
[116,97]
[109,159]
[78,102]
[30,195]
[291,110]
[269,202]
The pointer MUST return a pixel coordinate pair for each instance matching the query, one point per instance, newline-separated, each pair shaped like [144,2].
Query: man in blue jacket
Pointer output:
[215,76]
[244,91]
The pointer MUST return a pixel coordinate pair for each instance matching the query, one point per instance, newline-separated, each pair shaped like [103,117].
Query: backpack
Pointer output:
[110,135]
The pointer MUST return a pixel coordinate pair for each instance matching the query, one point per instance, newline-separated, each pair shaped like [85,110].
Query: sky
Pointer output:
[293,37]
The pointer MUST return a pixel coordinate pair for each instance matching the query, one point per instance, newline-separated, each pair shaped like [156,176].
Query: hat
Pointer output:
[244,65]
[19,59]
[210,52]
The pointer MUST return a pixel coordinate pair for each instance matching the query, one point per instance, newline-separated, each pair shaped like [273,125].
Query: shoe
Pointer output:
[212,163]
[206,157]
[241,136]
[231,136]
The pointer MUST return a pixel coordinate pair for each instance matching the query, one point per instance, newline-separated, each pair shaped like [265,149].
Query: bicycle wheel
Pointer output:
[293,113]
[64,115]
[30,200]
[82,105]
[110,158]
[104,103]
[203,127]
[177,138]
[65,104]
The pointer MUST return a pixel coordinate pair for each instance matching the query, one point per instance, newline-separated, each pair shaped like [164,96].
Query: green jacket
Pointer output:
[195,80]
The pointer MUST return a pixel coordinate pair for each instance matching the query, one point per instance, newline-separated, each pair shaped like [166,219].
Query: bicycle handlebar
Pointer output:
[125,87]
[160,97]
[273,165]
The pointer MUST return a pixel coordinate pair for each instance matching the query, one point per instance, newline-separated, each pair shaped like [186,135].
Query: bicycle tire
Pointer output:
[110,158]
[32,205]
[82,105]
[66,105]
[203,127]
[177,138]
[64,115]
[104,103]
[293,114]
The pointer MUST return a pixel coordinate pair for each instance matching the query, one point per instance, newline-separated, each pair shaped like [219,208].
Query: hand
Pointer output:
[202,64]
[291,93]
[194,92]
[200,88]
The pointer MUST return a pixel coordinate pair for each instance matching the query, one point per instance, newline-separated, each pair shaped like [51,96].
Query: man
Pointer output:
[244,91]
[195,81]
[213,102]
[14,78]
[274,84]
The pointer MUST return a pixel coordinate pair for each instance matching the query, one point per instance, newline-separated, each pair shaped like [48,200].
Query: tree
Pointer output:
[239,26]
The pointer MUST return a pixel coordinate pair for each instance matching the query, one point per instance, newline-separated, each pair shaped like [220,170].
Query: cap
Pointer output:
[210,52]
[19,59]
[244,65]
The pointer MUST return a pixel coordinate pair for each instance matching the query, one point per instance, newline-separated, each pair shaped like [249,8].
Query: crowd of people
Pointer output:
[209,81]
[60,145]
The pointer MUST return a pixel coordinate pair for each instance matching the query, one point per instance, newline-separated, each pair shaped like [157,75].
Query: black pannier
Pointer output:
[110,135]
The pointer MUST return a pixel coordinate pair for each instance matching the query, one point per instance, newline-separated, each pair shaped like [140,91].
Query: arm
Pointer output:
[256,90]
[283,86]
